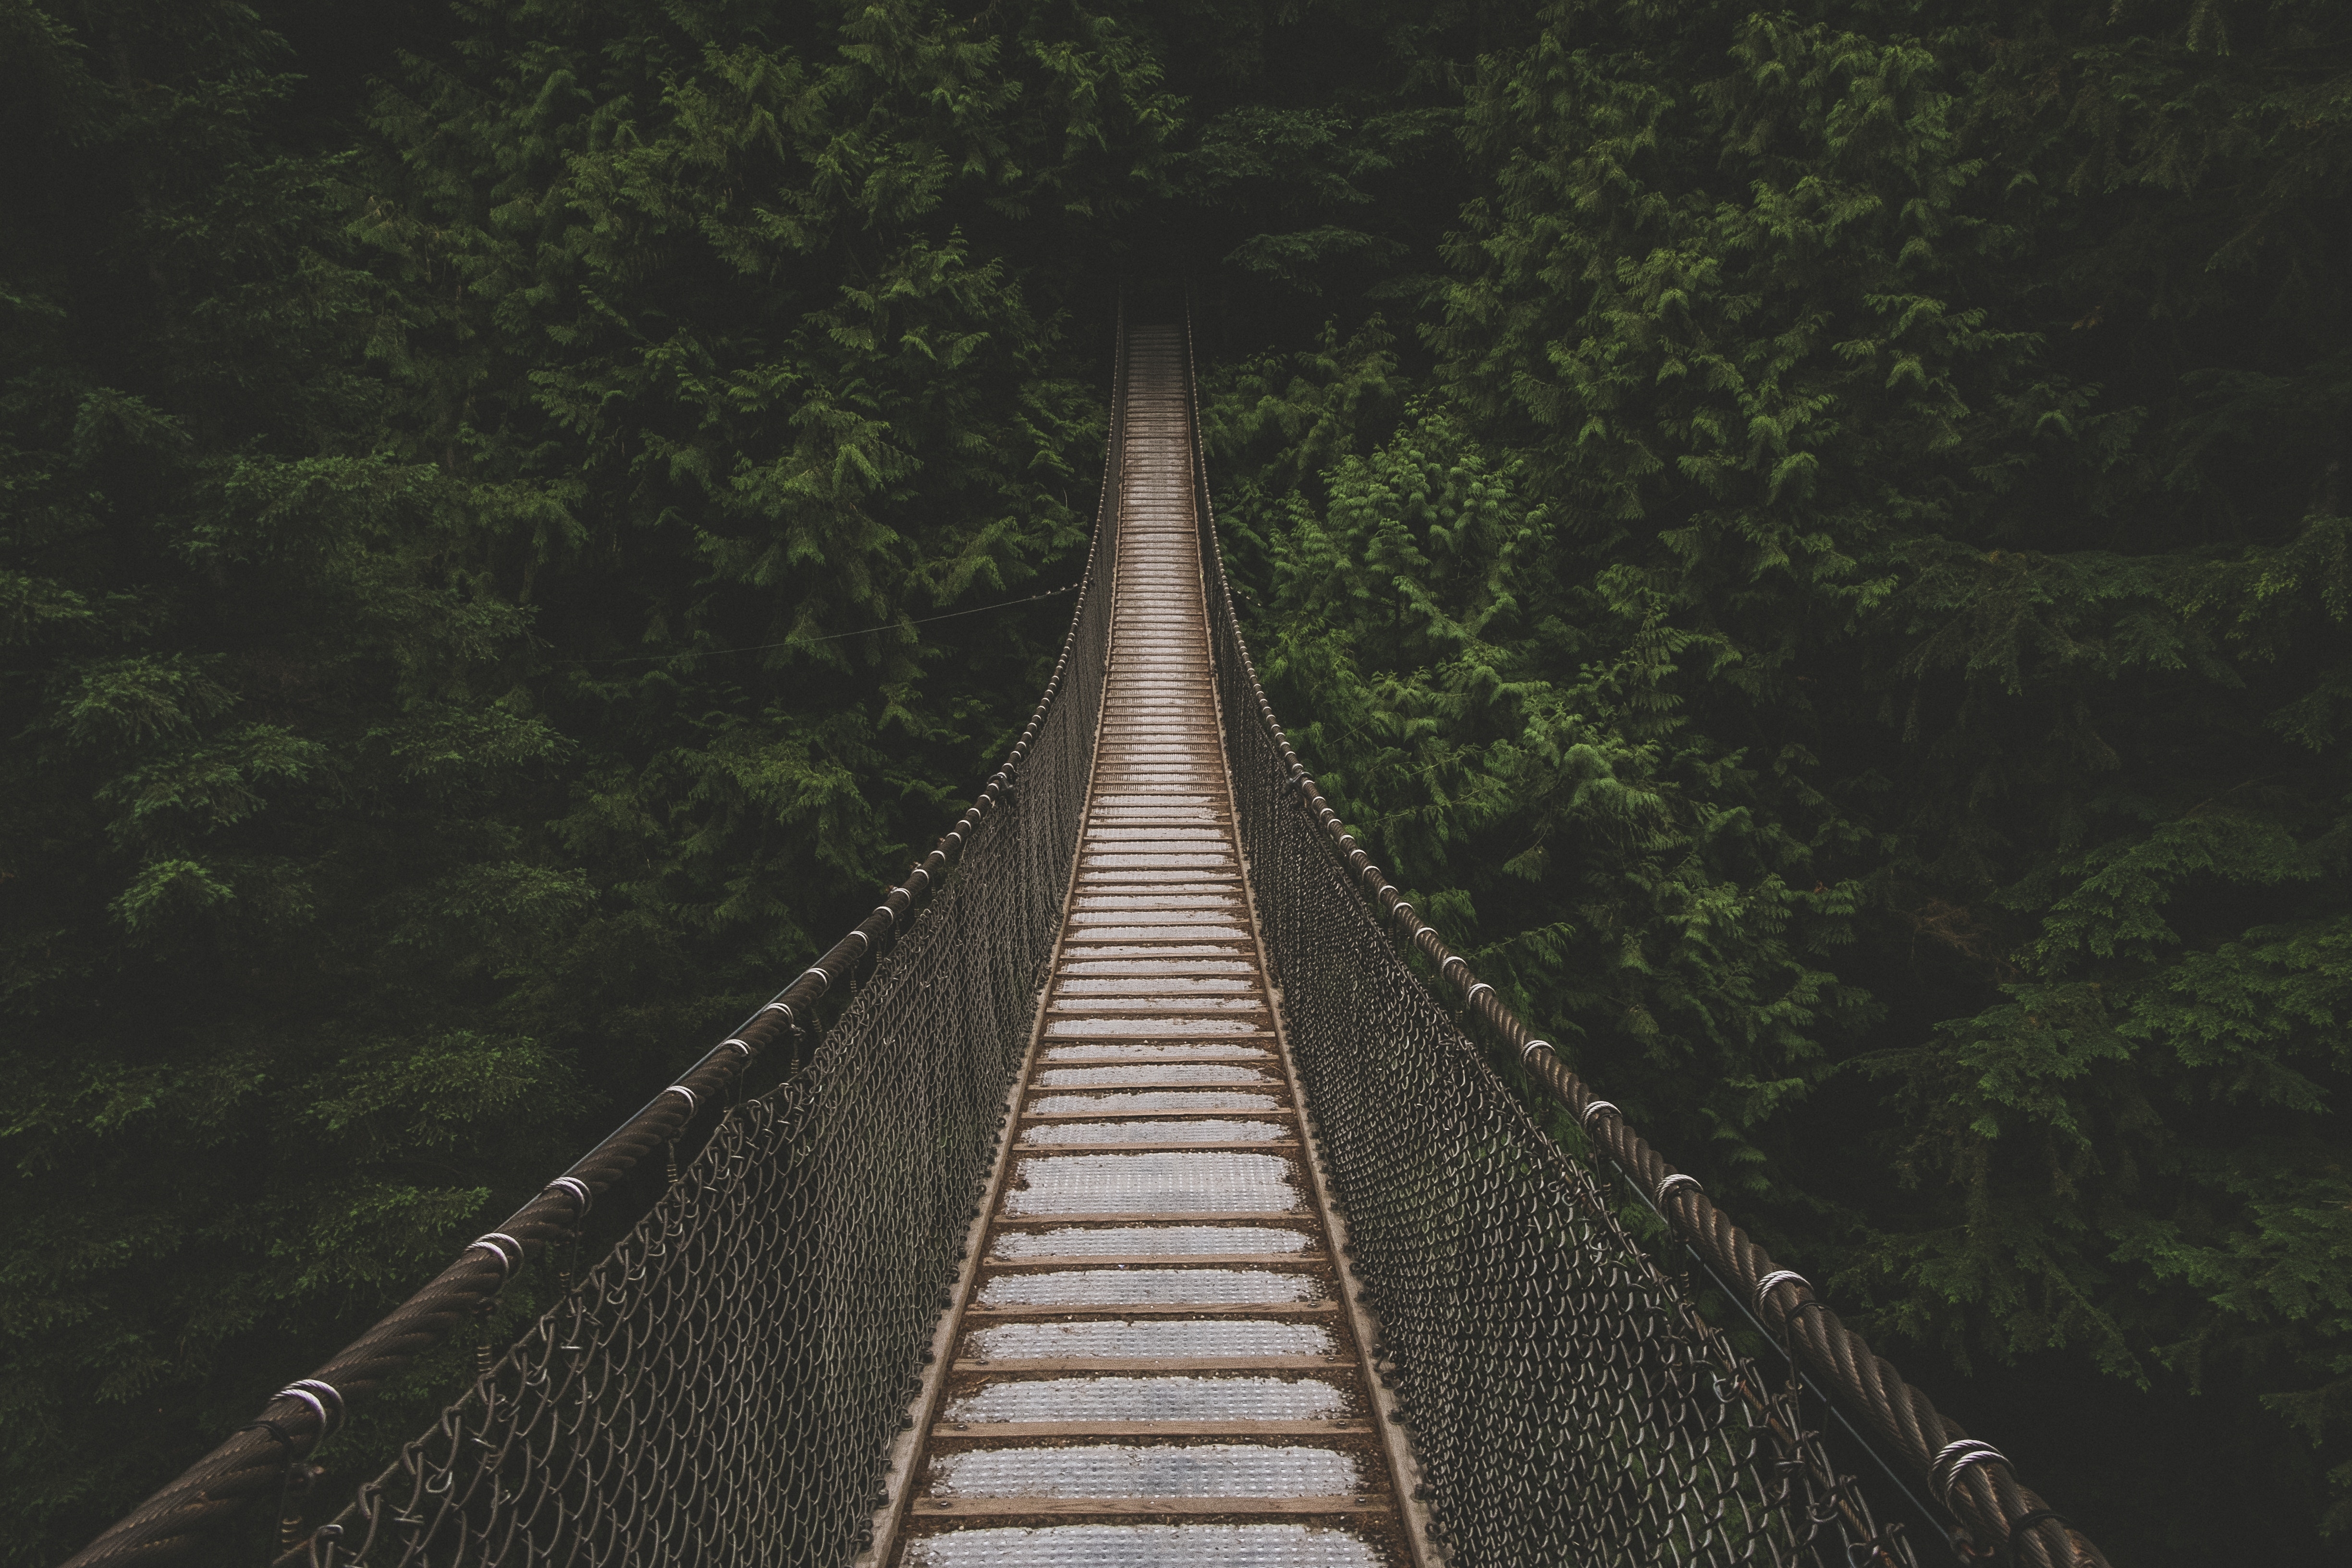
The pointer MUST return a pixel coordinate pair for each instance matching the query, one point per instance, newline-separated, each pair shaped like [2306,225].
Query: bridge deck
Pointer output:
[1155,1362]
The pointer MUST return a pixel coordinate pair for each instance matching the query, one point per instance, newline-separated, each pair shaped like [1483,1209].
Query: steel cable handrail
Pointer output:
[1993,1515]
[253,1463]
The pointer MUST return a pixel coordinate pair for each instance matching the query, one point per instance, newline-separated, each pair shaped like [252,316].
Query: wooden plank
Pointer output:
[1270,1086]
[1259,1035]
[1157,1259]
[1263,1146]
[1154,1310]
[1080,939]
[997,1429]
[1054,1116]
[1055,1042]
[1161,1216]
[1067,1508]
[1055,1365]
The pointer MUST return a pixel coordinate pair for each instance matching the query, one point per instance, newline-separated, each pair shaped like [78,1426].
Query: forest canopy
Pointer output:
[1814,542]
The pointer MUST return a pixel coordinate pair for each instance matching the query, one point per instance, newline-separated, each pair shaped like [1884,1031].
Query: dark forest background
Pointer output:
[1815,543]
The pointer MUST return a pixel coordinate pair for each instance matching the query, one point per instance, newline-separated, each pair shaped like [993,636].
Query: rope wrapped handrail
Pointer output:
[1994,1514]
[186,1515]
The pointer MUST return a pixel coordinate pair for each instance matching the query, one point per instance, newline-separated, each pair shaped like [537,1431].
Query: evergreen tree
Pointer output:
[263,864]
[464,611]
[1915,711]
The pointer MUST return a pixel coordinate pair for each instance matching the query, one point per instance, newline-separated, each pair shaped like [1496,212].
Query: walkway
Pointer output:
[1154,1363]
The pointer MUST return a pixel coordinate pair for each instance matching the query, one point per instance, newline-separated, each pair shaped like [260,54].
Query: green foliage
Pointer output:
[459,601]
[226,612]
[1855,636]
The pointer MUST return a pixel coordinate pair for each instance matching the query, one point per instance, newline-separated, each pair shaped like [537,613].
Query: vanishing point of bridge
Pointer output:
[1144,1206]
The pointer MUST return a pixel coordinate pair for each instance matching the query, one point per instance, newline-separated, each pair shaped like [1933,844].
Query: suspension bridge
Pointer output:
[1151,1202]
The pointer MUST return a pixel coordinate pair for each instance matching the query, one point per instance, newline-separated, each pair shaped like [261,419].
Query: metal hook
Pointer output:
[1678,1180]
[496,1243]
[581,1198]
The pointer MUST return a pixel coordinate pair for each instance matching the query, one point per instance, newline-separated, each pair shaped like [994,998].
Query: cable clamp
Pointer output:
[1943,1473]
[823,980]
[1773,1281]
[691,1104]
[1531,1047]
[1584,1123]
[1673,1183]
[865,942]
[2028,1520]
[1401,909]
[739,1042]
[264,1424]
[1471,1000]
[495,1244]
[581,1196]
[887,912]
[325,1403]
[318,1407]
[784,1007]
[1450,962]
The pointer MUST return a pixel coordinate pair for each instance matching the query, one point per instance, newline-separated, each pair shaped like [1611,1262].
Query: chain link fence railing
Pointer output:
[1567,1400]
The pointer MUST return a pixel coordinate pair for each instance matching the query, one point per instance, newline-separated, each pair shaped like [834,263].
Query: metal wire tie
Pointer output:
[1471,1000]
[496,1243]
[1584,1123]
[865,942]
[691,1104]
[1679,1179]
[318,1394]
[1530,1048]
[739,1042]
[576,1187]
[784,1007]
[886,910]
[1772,1281]
[1450,962]
[2034,1519]
[318,1408]
[823,980]
[1943,1472]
